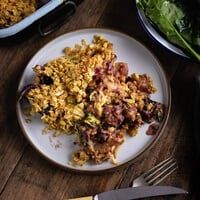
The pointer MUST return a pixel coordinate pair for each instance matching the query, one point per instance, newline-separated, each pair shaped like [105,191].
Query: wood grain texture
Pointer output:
[36,179]
[25,175]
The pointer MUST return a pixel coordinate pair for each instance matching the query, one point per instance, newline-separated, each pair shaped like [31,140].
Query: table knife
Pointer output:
[135,193]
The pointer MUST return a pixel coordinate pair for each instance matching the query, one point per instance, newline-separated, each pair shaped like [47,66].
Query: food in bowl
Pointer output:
[89,94]
[12,11]
[177,20]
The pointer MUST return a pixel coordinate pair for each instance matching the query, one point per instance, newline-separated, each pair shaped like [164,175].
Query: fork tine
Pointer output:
[164,177]
[170,167]
[159,168]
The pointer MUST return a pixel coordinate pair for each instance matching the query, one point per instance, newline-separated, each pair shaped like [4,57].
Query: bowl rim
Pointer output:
[115,167]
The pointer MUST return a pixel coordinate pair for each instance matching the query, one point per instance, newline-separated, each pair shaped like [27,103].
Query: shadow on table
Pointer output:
[187,153]
[19,37]
[196,130]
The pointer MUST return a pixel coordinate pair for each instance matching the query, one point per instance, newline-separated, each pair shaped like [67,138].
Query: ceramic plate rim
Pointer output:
[146,149]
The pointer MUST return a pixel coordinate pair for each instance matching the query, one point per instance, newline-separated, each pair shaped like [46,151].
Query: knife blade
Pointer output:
[135,193]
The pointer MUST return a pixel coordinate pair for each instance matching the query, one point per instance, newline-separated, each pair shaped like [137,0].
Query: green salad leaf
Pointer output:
[92,120]
[175,22]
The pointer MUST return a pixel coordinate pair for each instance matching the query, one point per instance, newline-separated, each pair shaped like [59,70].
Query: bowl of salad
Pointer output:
[175,24]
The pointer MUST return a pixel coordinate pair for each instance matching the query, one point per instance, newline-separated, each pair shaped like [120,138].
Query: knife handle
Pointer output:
[83,198]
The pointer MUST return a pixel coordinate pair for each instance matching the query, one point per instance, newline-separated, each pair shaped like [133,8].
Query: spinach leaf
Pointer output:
[196,33]
[171,19]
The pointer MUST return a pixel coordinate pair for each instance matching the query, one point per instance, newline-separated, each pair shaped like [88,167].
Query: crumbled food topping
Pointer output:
[12,11]
[88,94]
[152,129]
[80,157]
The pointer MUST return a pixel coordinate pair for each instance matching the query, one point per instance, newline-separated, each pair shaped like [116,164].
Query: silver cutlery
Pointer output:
[135,193]
[156,174]
[145,185]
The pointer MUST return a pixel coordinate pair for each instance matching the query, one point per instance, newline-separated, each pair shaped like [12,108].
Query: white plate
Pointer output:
[139,60]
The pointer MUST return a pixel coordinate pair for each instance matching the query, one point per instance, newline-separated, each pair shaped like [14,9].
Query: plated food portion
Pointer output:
[177,21]
[91,98]
[89,94]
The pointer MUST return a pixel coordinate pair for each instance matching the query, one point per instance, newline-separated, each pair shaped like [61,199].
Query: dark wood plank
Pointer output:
[35,178]
[12,143]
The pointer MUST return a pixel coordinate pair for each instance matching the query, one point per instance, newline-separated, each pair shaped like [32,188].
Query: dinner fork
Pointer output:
[156,174]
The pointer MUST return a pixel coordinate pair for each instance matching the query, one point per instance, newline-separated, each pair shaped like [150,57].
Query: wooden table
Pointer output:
[24,175]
